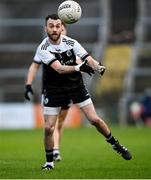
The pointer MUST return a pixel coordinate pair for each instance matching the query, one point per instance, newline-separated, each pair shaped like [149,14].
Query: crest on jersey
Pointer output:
[69,53]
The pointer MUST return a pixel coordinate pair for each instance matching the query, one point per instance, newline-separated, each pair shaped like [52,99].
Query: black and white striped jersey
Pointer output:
[66,53]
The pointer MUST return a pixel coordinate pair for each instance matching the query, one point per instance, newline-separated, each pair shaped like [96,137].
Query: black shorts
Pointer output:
[65,106]
[65,96]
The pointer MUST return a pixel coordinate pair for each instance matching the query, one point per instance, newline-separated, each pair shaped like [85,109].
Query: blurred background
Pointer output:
[115,32]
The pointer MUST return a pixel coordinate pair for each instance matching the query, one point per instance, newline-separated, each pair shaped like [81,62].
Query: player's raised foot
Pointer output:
[57,157]
[122,150]
[48,166]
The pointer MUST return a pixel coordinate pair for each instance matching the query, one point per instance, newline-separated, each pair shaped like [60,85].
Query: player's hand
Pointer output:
[28,92]
[84,67]
[101,69]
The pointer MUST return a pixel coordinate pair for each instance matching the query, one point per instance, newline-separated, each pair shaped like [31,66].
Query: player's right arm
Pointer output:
[49,59]
[65,69]
[33,69]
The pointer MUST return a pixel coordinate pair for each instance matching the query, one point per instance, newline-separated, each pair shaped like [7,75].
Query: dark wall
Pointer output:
[123,17]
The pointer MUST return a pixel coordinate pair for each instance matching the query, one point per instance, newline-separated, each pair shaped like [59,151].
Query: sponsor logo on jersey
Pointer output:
[58,50]
[59,56]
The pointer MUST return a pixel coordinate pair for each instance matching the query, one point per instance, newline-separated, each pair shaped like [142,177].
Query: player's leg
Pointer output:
[102,127]
[49,126]
[58,133]
[52,106]
[82,98]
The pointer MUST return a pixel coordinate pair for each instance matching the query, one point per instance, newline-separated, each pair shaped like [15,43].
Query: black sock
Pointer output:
[110,139]
[49,155]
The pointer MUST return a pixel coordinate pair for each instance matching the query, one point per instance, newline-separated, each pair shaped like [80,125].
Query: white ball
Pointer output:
[69,11]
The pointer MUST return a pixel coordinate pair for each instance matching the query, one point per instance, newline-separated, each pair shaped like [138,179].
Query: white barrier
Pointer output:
[16,116]
[28,115]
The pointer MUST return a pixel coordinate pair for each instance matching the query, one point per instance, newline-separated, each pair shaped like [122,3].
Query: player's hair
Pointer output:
[51,16]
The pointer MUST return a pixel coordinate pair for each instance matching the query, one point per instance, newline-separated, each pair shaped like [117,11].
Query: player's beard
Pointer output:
[54,37]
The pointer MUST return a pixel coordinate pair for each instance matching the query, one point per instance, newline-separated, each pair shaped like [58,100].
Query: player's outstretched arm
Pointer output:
[65,69]
[96,66]
[84,67]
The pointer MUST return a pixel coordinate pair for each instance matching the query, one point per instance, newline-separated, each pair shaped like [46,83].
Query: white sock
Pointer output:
[50,163]
[56,151]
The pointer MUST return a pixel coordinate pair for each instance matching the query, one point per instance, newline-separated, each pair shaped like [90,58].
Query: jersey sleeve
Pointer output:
[80,51]
[44,56]
[36,58]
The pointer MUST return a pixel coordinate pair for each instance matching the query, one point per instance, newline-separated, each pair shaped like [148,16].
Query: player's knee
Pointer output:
[48,130]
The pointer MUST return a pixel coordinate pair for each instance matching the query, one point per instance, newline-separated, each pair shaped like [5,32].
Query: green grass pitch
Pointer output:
[86,155]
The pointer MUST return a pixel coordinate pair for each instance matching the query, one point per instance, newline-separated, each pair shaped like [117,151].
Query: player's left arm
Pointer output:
[91,62]
[78,60]
[96,66]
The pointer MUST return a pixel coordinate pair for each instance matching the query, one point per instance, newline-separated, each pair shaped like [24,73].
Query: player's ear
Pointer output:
[45,28]
[64,30]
